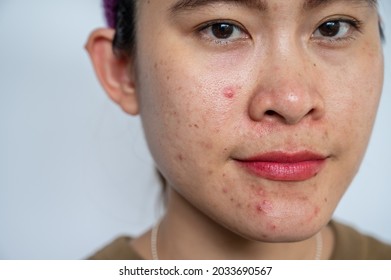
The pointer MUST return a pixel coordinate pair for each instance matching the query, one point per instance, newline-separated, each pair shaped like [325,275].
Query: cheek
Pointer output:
[185,117]
[353,97]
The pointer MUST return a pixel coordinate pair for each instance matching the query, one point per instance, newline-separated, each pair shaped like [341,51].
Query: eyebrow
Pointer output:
[192,4]
[313,4]
[262,5]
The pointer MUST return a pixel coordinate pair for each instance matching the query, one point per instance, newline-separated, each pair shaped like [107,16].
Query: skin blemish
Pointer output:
[273,227]
[261,192]
[180,157]
[303,198]
[265,207]
[316,211]
[194,125]
[229,93]
[225,190]
[206,145]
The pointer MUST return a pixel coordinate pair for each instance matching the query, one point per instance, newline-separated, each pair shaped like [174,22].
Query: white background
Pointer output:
[75,171]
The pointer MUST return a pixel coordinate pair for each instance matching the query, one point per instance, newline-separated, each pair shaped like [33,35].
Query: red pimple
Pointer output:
[265,207]
[229,93]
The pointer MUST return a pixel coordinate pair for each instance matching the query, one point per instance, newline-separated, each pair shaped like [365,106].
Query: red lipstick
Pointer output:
[282,166]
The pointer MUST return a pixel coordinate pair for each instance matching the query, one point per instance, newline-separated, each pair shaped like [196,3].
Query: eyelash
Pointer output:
[204,28]
[354,24]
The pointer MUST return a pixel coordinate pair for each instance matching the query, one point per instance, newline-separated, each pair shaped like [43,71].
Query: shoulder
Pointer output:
[118,249]
[353,245]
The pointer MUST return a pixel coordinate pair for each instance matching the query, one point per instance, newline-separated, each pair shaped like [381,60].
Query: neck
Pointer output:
[186,233]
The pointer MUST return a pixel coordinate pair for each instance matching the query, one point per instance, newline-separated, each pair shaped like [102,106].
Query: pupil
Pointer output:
[222,30]
[329,29]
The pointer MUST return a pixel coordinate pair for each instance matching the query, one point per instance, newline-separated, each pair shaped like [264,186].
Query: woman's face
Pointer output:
[258,113]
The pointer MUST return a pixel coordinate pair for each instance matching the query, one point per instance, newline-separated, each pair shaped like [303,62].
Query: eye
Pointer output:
[222,32]
[336,29]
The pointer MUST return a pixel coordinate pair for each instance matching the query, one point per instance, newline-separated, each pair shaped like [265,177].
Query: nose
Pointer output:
[287,91]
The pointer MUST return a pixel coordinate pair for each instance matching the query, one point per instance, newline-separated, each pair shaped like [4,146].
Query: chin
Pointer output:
[279,229]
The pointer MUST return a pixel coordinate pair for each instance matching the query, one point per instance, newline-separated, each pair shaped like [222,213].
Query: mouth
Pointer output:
[283,166]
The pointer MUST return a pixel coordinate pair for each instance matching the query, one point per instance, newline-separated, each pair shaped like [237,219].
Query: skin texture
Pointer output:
[275,86]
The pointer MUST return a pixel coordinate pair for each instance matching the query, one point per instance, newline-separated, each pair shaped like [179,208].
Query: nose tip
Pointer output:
[287,104]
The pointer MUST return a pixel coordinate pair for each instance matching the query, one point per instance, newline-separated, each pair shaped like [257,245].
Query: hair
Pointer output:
[121,16]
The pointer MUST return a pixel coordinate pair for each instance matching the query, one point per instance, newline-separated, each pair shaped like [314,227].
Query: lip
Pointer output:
[284,166]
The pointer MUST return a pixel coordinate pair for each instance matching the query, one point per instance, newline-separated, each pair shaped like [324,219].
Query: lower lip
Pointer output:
[281,171]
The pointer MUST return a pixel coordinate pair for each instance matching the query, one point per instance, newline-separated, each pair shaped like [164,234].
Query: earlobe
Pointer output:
[113,72]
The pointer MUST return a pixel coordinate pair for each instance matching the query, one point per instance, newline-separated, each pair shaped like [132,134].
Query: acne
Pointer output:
[180,157]
[229,93]
[194,125]
[272,227]
[261,192]
[265,207]
[316,211]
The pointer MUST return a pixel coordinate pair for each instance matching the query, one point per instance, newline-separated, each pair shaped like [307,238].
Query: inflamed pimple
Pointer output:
[265,206]
[229,93]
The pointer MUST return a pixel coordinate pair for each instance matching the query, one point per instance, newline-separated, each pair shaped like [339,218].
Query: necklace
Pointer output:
[155,255]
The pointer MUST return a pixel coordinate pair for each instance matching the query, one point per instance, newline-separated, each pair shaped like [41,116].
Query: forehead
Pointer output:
[263,4]
[111,6]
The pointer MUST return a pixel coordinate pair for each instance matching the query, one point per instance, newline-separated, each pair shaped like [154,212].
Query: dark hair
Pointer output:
[121,15]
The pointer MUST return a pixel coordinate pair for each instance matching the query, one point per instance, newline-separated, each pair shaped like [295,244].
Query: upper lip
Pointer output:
[285,157]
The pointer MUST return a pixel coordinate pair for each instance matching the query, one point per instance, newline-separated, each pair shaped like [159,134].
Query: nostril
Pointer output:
[270,113]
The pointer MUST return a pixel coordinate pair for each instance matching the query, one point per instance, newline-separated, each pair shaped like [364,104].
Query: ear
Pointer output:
[115,73]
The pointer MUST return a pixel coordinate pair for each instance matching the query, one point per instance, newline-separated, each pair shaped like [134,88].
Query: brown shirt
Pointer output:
[349,245]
